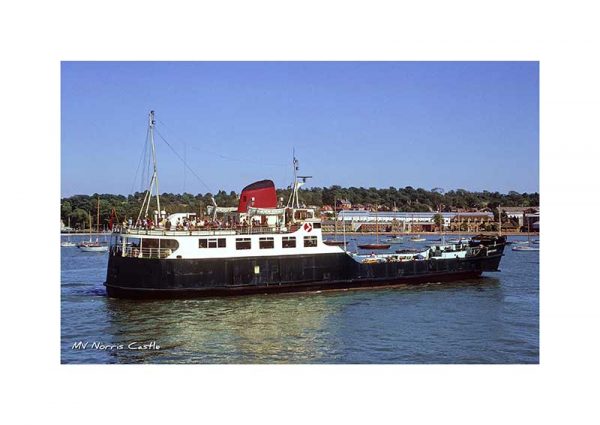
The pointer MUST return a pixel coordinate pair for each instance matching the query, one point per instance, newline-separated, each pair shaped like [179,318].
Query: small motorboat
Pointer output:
[525,248]
[68,243]
[334,243]
[93,247]
[457,240]
[417,239]
[407,251]
[374,246]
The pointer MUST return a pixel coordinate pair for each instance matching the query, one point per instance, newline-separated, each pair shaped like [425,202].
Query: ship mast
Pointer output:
[98,216]
[499,221]
[294,200]
[376,223]
[154,180]
[335,216]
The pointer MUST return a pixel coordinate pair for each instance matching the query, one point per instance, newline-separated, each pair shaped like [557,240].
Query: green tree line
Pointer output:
[77,209]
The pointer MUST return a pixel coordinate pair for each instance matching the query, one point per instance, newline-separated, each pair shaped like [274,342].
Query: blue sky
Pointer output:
[470,125]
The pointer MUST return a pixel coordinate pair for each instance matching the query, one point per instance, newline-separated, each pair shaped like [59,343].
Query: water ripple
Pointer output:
[494,319]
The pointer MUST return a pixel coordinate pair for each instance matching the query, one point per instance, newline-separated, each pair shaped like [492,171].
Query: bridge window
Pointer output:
[302,214]
[310,241]
[288,242]
[243,243]
[266,243]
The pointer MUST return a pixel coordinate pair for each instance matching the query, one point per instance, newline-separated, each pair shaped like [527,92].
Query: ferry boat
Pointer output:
[261,247]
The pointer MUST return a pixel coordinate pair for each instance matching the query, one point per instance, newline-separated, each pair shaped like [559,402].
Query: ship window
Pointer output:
[266,243]
[317,225]
[288,242]
[243,243]
[310,241]
[212,243]
[169,243]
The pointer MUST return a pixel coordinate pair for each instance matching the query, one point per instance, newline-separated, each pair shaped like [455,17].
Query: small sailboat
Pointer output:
[68,242]
[525,245]
[375,245]
[96,246]
[335,241]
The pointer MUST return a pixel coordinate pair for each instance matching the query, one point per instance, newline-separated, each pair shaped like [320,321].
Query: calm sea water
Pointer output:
[494,319]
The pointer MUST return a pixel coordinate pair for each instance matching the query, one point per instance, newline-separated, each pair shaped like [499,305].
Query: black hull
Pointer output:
[192,278]
[137,293]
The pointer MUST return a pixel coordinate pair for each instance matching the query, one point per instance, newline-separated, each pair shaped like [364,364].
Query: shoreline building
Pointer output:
[523,217]
[392,221]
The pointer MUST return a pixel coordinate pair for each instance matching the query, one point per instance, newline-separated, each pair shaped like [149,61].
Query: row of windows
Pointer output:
[263,243]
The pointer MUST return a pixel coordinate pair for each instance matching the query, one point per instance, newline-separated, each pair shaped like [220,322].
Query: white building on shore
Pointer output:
[407,221]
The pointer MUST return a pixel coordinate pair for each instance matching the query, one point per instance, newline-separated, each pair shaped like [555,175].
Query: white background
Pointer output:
[37,35]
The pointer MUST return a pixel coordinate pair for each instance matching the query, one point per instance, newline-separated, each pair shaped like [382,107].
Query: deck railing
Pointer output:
[206,232]
[136,252]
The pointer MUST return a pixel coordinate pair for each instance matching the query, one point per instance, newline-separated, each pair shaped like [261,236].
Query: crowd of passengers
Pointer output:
[192,224]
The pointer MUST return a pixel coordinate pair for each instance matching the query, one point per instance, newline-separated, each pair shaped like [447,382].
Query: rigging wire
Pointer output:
[226,157]
[245,160]
[146,163]
[142,160]
[204,151]
[183,161]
